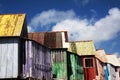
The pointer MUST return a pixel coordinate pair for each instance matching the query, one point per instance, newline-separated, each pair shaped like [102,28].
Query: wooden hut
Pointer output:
[55,39]
[86,51]
[12,29]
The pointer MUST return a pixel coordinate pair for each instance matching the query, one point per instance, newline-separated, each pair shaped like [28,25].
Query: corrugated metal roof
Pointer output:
[11,24]
[112,59]
[49,39]
[82,47]
[100,54]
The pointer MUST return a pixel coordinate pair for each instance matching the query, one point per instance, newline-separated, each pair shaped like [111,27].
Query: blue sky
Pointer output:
[97,20]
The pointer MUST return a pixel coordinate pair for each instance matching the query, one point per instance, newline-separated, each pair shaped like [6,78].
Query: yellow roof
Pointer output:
[82,47]
[11,24]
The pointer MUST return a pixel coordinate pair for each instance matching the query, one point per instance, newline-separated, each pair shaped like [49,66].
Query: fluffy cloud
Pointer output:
[79,29]
[102,30]
[49,17]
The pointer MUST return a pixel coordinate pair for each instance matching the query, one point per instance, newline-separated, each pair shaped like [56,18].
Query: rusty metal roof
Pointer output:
[82,47]
[50,39]
[11,24]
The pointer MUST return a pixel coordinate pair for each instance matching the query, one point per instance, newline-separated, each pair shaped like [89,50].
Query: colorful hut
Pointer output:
[12,29]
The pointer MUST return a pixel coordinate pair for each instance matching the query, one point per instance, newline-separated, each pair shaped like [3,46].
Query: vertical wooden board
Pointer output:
[8,60]
[2,67]
[0,57]
[25,65]
[79,69]
[36,61]
[3,60]
[40,59]
[71,66]
[33,60]
[75,68]
[10,57]
[29,59]
[15,58]
[59,66]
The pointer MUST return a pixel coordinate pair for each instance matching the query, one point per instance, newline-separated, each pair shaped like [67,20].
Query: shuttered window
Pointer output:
[88,63]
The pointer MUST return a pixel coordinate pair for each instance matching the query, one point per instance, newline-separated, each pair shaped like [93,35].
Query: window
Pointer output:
[89,63]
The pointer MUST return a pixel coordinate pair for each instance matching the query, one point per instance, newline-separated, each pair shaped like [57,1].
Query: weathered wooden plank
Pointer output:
[15,58]
[9,72]
[9,58]
[3,60]
[0,58]
[36,61]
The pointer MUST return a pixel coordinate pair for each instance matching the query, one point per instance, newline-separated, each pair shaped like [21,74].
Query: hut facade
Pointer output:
[12,30]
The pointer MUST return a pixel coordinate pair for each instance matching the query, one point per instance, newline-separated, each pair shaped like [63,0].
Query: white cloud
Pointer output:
[79,29]
[52,16]
[102,30]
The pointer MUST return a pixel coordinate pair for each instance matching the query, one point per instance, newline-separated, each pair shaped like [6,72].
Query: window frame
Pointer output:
[93,62]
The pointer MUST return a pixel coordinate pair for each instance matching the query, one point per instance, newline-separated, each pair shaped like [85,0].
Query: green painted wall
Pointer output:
[75,69]
[67,66]
[59,67]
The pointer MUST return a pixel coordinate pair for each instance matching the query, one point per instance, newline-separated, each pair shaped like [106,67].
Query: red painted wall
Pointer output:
[89,73]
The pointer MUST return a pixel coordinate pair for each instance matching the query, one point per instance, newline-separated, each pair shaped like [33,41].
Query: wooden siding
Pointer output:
[38,61]
[8,58]
[75,67]
[66,65]
[59,64]
[50,39]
